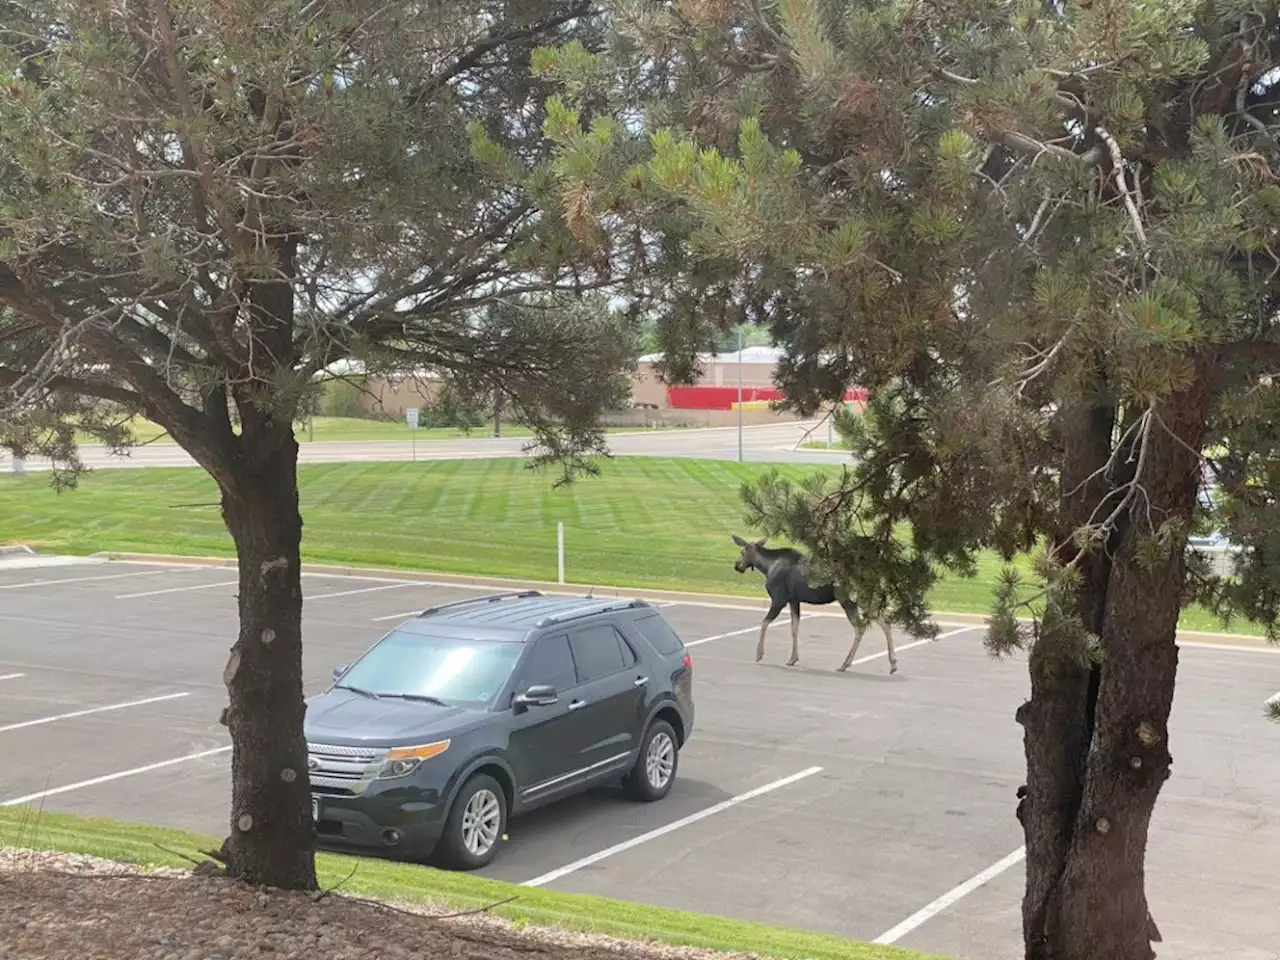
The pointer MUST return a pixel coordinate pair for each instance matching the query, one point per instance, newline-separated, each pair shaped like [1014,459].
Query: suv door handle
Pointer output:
[641,681]
[577,705]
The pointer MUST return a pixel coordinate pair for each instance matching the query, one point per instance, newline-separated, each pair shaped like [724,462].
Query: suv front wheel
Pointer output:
[475,825]
[655,767]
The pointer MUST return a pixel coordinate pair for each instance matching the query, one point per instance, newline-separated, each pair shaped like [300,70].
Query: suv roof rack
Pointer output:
[577,613]
[491,598]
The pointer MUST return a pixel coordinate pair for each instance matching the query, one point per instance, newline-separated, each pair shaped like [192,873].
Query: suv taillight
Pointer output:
[688,661]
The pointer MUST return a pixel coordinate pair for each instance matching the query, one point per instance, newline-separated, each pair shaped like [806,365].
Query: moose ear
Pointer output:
[738,540]
[760,542]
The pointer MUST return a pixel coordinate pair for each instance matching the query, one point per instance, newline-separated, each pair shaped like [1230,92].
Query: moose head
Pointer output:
[749,557]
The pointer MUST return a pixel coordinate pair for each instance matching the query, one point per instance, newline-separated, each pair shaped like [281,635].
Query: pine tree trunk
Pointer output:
[1097,739]
[272,838]
[1057,720]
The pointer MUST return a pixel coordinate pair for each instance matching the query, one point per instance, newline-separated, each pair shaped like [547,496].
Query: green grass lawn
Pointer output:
[157,847]
[646,522]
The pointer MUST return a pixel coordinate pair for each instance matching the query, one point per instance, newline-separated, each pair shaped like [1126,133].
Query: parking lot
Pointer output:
[858,804]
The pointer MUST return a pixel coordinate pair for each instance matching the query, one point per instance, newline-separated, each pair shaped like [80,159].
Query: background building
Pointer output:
[713,399]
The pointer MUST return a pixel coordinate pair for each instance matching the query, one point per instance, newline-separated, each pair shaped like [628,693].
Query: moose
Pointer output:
[787,585]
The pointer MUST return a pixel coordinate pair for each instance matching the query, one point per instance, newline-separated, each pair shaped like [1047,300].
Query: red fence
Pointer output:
[723,398]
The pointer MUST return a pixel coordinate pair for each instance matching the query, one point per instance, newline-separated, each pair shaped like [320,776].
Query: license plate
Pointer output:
[315,808]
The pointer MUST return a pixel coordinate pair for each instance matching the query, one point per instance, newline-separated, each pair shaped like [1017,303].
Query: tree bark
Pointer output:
[272,837]
[1097,737]
[1057,720]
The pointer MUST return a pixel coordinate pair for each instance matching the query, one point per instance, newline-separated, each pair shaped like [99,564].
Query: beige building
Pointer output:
[718,369]
[383,397]
[391,397]
[710,400]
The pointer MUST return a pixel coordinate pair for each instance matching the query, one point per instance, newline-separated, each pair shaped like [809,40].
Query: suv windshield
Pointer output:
[411,666]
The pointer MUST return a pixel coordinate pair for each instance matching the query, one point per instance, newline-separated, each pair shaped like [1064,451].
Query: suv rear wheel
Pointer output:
[475,825]
[655,768]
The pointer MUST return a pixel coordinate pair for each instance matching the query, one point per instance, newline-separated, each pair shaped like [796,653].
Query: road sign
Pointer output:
[411,415]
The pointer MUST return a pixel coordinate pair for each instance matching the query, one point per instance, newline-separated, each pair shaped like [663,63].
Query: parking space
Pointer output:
[840,802]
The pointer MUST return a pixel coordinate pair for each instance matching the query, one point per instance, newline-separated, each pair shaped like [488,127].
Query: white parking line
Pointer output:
[915,643]
[721,636]
[399,616]
[348,593]
[198,586]
[17,801]
[873,656]
[11,676]
[669,828]
[894,934]
[85,713]
[58,582]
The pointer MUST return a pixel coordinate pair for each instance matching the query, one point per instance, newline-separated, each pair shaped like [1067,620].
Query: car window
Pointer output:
[597,651]
[407,664]
[628,655]
[550,662]
[659,633]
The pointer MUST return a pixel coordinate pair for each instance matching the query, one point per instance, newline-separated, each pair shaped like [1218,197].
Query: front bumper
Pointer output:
[404,822]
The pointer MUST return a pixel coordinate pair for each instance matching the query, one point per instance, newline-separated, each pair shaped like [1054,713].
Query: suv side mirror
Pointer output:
[539,695]
[339,670]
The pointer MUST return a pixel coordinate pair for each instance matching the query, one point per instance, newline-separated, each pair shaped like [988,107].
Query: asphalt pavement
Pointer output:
[858,804]
[779,443]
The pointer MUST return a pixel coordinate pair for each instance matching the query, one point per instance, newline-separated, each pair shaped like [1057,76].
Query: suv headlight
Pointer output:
[402,761]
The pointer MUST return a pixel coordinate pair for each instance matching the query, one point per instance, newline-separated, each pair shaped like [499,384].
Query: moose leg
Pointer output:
[859,628]
[769,617]
[795,633]
[888,639]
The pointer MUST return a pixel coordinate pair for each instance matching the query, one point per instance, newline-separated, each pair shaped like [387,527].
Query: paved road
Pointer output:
[914,797]
[769,443]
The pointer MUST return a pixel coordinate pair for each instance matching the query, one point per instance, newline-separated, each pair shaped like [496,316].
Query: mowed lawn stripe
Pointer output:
[645,522]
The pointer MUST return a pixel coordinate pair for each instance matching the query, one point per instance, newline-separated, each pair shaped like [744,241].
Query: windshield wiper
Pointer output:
[417,697]
[364,693]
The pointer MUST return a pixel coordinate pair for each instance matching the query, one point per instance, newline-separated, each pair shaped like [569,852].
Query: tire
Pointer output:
[466,844]
[655,769]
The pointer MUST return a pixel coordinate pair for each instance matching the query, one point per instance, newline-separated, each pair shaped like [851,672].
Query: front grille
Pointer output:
[341,770]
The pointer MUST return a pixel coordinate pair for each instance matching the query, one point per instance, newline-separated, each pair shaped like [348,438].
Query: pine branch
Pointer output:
[74,386]
[493,42]
[1117,172]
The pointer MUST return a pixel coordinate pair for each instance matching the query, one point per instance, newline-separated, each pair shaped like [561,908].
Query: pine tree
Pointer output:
[1044,237]
[204,205]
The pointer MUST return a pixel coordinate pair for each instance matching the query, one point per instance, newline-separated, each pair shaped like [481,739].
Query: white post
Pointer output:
[560,548]
[411,418]
[739,394]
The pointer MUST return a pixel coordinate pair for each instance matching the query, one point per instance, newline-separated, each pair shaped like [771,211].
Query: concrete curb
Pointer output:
[20,549]
[728,601]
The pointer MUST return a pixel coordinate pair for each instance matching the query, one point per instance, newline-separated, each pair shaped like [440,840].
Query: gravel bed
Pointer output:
[56,906]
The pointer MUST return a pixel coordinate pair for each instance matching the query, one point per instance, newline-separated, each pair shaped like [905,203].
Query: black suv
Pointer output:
[475,711]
